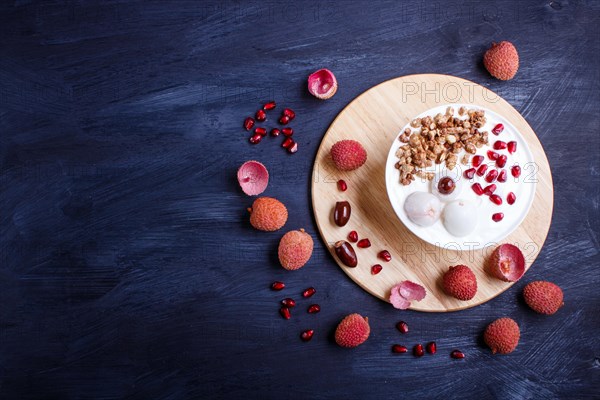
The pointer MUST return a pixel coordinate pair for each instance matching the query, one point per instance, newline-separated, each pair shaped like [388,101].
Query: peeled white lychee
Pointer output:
[460,217]
[423,208]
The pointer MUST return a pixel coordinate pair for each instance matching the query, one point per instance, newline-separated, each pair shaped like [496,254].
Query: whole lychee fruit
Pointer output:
[543,297]
[502,335]
[348,155]
[267,214]
[352,331]
[295,249]
[507,263]
[460,282]
[502,60]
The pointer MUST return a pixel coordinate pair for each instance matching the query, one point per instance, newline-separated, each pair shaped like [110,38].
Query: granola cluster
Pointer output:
[439,139]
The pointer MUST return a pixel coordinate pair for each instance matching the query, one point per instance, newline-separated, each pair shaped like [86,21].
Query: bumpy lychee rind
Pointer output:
[543,297]
[460,282]
[268,214]
[348,155]
[502,60]
[506,263]
[502,335]
[352,331]
[295,249]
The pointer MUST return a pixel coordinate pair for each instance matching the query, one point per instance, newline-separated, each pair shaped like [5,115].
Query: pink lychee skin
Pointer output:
[348,155]
[322,84]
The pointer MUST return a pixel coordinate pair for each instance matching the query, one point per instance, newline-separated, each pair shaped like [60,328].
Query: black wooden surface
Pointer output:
[128,267]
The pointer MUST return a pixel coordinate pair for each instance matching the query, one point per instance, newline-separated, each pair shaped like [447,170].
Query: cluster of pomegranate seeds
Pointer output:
[375,269]
[364,243]
[287,115]
[342,186]
[288,303]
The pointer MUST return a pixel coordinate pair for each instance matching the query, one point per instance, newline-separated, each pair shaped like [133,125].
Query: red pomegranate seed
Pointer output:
[288,142]
[496,130]
[512,147]
[307,335]
[492,155]
[277,285]
[402,327]
[481,170]
[284,120]
[431,348]
[255,139]
[502,176]
[418,350]
[275,132]
[289,303]
[342,186]
[497,200]
[385,255]
[510,198]
[353,236]
[261,115]
[364,243]
[269,106]
[497,217]
[491,176]
[469,173]
[285,312]
[476,161]
[260,131]
[397,348]
[499,145]
[457,354]
[515,171]
[287,131]
[314,308]
[248,123]
[501,161]
[489,190]
[309,292]
[375,269]
[289,113]
[477,189]
[293,148]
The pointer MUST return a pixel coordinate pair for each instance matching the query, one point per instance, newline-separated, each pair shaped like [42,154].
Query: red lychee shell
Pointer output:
[322,84]
[502,336]
[352,331]
[253,177]
[543,297]
[295,249]
[507,263]
[402,294]
[267,214]
[348,155]
[502,60]
[460,282]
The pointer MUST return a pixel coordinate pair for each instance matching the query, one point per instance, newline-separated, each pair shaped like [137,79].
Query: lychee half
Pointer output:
[543,297]
[402,294]
[352,331]
[267,214]
[460,282]
[502,335]
[507,263]
[322,84]
[253,177]
[348,155]
[295,249]
[502,60]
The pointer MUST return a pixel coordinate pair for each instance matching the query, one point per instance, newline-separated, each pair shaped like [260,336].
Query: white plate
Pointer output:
[487,231]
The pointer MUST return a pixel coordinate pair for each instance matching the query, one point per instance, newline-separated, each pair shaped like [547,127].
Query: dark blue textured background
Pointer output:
[128,267]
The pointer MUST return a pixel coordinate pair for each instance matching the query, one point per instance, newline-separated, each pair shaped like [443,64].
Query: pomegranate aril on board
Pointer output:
[385,255]
[375,269]
[353,236]
[269,106]
[512,147]
[293,148]
[342,186]
[469,173]
[309,292]
[502,176]
[476,161]
[515,171]
[496,130]
[287,132]
[497,200]
[491,176]
[260,131]
[277,285]
[283,120]
[275,132]
[501,161]
[288,142]
[477,189]
[489,190]
[418,350]
[431,347]
[457,354]
[481,170]
[248,123]
[314,308]
[399,349]
[307,335]
[289,113]
[255,139]
[285,312]
[364,243]
[261,115]
[510,198]
[497,217]
[492,155]
[289,303]
[402,327]
[499,145]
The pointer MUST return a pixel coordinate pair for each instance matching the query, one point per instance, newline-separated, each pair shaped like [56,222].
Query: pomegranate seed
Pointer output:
[255,139]
[418,350]
[515,171]
[501,161]
[288,142]
[481,170]
[402,327]
[497,200]
[287,131]
[492,155]
[289,303]
[289,113]
[261,115]
[512,147]
[489,190]
[307,335]
[275,132]
[457,354]
[353,236]
[502,176]
[469,173]
[496,130]
[431,348]
[309,292]
[375,269]
[285,312]
[248,123]
[477,189]
[269,106]
[399,349]
[491,176]
[364,243]
[284,120]
[477,160]
[497,217]
[260,131]
[385,255]
[499,145]
[342,185]
[314,308]
[293,148]
[277,285]
[510,198]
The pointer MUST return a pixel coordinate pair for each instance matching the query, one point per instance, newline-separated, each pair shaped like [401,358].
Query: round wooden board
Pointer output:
[375,119]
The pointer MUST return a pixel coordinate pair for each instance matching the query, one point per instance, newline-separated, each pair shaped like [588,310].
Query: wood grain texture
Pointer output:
[128,268]
[374,119]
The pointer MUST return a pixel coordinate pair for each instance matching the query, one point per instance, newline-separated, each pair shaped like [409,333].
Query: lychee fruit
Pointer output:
[348,155]
[460,282]
[322,84]
[295,249]
[502,335]
[253,177]
[352,331]
[502,60]
[543,297]
[267,214]
[507,263]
